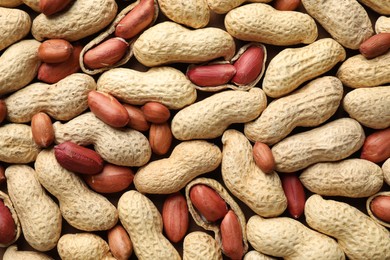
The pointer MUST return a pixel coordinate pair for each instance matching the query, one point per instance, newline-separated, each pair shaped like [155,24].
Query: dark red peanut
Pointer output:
[2,174]
[160,138]
[155,112]
[231,234]
[7,225]
[295,194]
[3,111]
[211,75]
[286,5]
[375,46]
[49,7]
[376,147]
[380,207]
[249,65]
[175,217]
[137,118]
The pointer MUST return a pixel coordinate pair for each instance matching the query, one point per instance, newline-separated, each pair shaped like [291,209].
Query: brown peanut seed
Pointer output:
[137,118]
[211,75]
[249,65]
[376,147]
[286,5]
[49,7]
[55,51]
[119,242]
[263,157]
[231,235]
[3,110]
[155,112]
[380,207]
[160,138]
[42,129]
[295,193]
[375,46]
[175,217]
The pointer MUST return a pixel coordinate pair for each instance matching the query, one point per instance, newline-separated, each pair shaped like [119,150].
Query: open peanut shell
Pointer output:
[7,202]
[108,33]
[217,187]
[369,211]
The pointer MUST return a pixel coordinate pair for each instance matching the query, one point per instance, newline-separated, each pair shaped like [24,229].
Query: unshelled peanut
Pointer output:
[200,245]
[15,25]
[13,253]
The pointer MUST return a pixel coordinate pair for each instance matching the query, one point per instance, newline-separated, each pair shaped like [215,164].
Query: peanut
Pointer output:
[211,75]
[7,225]
[286,5]
[166,85]
[175,217]
[382,24]
[295,194]
[119,243]
[263,157]
[379,6]
[263,193]
[375,46]
[358,234]
[3,111]
[155,112]
[30,200]
[13,253]
[293,66]
[42,130]
[11,3]
[354,178]
[369,106]
[199,245]
[2,175]
[50,7]
[15,25]
[378,208]
[137,119]
[386,171]
[134,209]
[187,161]
[224,6]
[85,17]
[79,206]
[333,141]
[191,45]
[160,138]
[249,65]
[231,235]
[290,239]
[55,50]
[108,109]
[308,106]
[347,22]
[254,255]
[218,112]
[262,23]
[376,147]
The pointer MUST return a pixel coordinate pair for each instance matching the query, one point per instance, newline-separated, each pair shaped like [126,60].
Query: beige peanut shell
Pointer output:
[142,220]
[8,203]
[12,253]
[17,144]
[346,21]
[198,245]
[39,215]
[262,23]
[369,211]
[382,25]
[19,65]
[86,246]
[369,106]
[81,19]
[333,141]
[14,25]
[125,147]
[354,178]
[263,193]
[224,6]
[210,117]
[165,85]
[294,66]
[33,4]
[358,235]
[10,3]
[254,255]
[308,106]
[379,6]
[290,239]
[62,101]
[81,207]
[191,13]
[359,72]
[188,160]
[386,171]
[169,42]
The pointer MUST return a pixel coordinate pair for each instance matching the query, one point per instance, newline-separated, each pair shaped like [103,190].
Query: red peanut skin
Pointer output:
[295,194]
[380,207]
[2,174]
[375,46]
[263,157]
[7,225]
[50,7]
[119,242]
[231,234]
[137,118]
[42,129]
[136,20]
[175,217]
[376,147]
[211,75]
[249,65]
[160,138]
[55,51]
[3,111]
[155,112]
[286,5]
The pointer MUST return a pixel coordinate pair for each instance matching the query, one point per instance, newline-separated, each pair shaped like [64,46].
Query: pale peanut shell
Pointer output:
[293,66]
[198,245]
[8,203]
[262,23]
[81,19]
[263,193]
[369,211]
[382,25]
[165,85]
[210,117]
[12,253]
[10,3]
[62,101]
[333,141]
[14,25]
[369,106]
[386,171]
[142,220]
[224,6]
[308,106]
[379,6]
[358,235]
[33,4]
[254,255]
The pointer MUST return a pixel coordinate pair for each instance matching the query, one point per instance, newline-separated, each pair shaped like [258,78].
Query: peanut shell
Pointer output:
[14,25]
[369,211]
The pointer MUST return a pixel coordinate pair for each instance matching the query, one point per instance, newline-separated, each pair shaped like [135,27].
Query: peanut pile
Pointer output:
[194,129]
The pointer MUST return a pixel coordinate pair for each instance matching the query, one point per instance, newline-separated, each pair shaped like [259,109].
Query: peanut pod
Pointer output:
[13,253]
[382,24]
[8,203]
[224,6]
[371,212]
[200,245]
[14,25]
[10,3]
[254,255]
[379,6]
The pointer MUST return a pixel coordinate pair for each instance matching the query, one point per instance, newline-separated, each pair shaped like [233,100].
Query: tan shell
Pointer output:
[369,106]
[198,245]
[19,65]
[10,3]
[386,171]
[294,66]
[187,161]
[262,23]
[347,21]
[12,253]
[354,178]
[62,101]
[358,235]
[254,255]
[39,215]
[185,45]
[126,147]
[210,117]
[109,32]
[14,25]
[290,239]
[308,106]
[224,6]
[17,144]
[142,220]
[263,193]
[369,211]
[192,13]
[81,19]
[86,246]
[382,25]
[8,203]
[165,85]
[81,207]
[359,72]
[333,141]
[379,6]
[232,204]
[33,4]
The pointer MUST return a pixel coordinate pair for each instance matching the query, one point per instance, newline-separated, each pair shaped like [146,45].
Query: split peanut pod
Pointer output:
[4,198]
[14,25]
[379,211]
[13,253]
